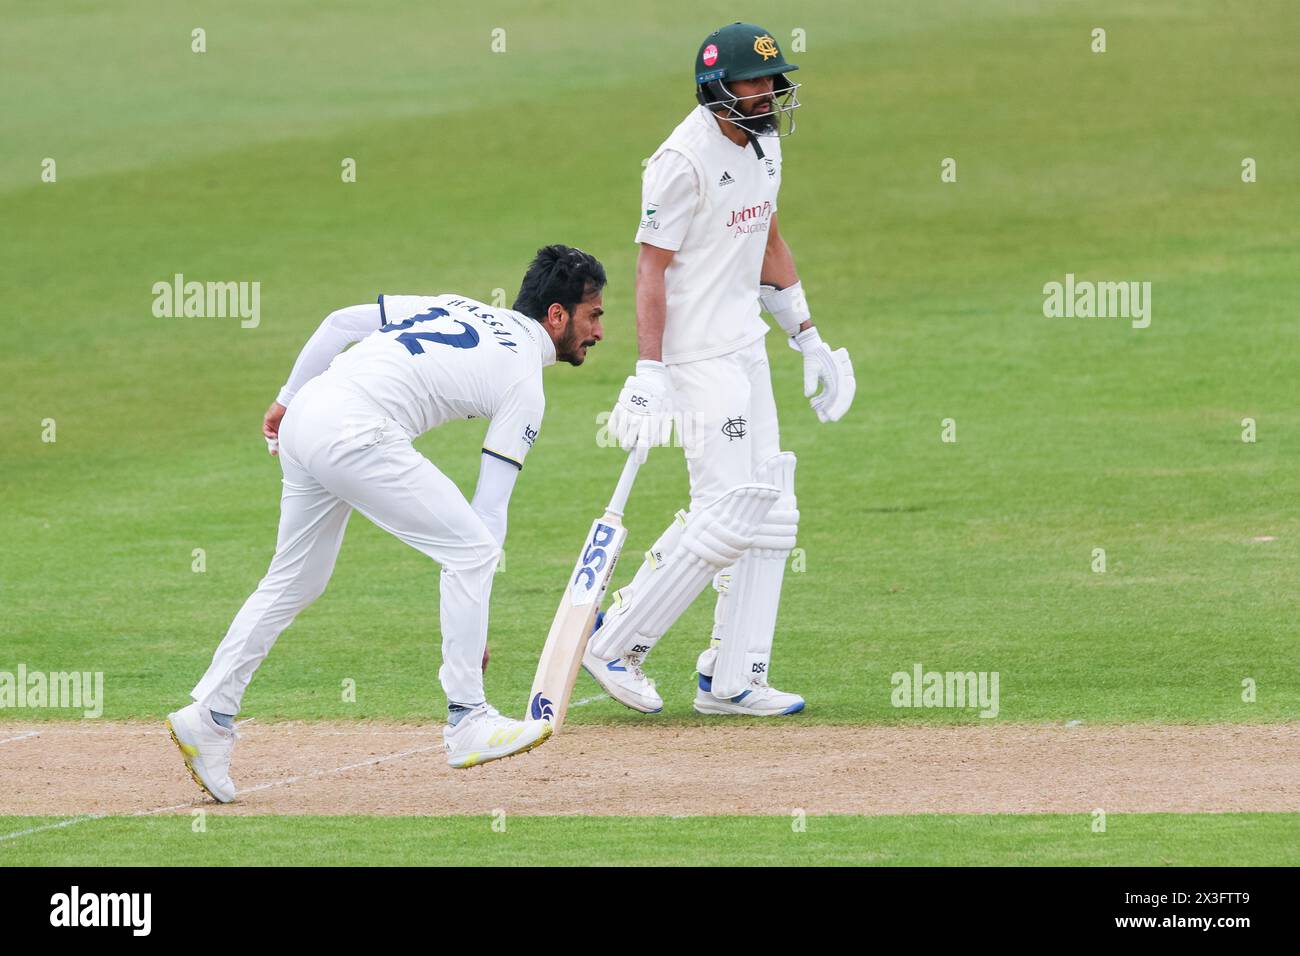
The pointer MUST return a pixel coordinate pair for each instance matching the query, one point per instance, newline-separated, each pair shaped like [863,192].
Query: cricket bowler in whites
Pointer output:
[710,253]
[345,444]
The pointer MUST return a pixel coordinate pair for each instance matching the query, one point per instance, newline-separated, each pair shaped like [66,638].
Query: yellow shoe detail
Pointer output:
[189,752]
[506,735]
[477,756]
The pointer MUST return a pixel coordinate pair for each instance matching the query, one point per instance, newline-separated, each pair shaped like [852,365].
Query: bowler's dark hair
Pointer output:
[560,274]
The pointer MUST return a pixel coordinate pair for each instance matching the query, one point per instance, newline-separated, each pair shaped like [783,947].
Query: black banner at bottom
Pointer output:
[335,905]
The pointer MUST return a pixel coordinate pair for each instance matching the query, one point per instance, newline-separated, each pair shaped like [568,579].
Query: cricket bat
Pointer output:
[558,668]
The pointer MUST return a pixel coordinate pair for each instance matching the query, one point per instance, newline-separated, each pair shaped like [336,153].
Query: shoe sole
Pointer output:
[605,688]
[721,710]
[189,752]
[478,760]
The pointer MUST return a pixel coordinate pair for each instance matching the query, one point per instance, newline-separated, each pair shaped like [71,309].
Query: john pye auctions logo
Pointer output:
[749,219]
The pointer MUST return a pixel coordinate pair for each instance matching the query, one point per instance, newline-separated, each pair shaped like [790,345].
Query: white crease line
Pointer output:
[372,733]
[83,732]
[73,821]
[52,826]
[130,732]
[589,700]
[27,736]
[352,766]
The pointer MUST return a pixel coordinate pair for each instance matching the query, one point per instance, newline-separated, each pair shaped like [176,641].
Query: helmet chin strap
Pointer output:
[749,133]
[743,120]
[738,120]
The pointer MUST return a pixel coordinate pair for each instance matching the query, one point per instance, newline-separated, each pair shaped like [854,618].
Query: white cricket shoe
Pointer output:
[483,735]
[206,747]
[622,678]
[759,700]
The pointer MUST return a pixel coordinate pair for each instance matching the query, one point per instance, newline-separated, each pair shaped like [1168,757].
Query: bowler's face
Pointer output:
[584,330]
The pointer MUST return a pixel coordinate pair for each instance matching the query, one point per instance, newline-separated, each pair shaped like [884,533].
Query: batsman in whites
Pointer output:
[711,253]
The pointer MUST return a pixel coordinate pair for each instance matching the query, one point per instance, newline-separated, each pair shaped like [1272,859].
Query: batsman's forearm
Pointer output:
[778,264]
[779,269]
[651,314]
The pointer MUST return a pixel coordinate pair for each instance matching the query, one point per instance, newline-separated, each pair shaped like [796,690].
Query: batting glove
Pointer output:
[643,418]
[833,370]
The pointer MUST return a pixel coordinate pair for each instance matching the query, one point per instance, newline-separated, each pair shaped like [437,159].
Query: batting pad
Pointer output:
[744,620]
[713,537]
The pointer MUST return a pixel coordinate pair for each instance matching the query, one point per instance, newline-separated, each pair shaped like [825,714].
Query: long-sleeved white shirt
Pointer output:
[497,471]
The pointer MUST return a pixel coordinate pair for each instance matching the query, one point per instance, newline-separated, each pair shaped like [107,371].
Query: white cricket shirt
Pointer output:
[442,357]
[711,202]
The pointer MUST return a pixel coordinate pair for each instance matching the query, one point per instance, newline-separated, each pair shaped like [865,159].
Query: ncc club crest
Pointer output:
[765,47]
[734,428]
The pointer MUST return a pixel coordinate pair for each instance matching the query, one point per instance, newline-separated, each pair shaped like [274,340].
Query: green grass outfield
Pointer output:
[1158,839]
[1072,434]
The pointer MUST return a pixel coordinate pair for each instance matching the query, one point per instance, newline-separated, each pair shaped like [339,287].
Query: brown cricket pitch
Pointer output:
[730,767]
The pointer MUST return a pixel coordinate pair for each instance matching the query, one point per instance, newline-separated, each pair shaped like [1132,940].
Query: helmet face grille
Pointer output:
[718,99]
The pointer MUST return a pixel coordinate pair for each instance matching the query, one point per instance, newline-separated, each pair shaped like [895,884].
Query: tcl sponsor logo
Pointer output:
[749,219]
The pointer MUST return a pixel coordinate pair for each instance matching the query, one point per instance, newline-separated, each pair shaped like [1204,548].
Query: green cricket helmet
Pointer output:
[743,51]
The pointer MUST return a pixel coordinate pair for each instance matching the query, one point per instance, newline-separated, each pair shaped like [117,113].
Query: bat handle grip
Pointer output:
[624,487]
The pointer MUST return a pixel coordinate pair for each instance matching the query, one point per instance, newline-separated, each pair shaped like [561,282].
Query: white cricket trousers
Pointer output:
[339,452]
[728,423]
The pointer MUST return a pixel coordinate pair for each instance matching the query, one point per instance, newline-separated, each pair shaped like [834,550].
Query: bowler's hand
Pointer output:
[271,427]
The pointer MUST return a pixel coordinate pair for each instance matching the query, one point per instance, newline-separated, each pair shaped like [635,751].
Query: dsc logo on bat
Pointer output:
[586,580]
